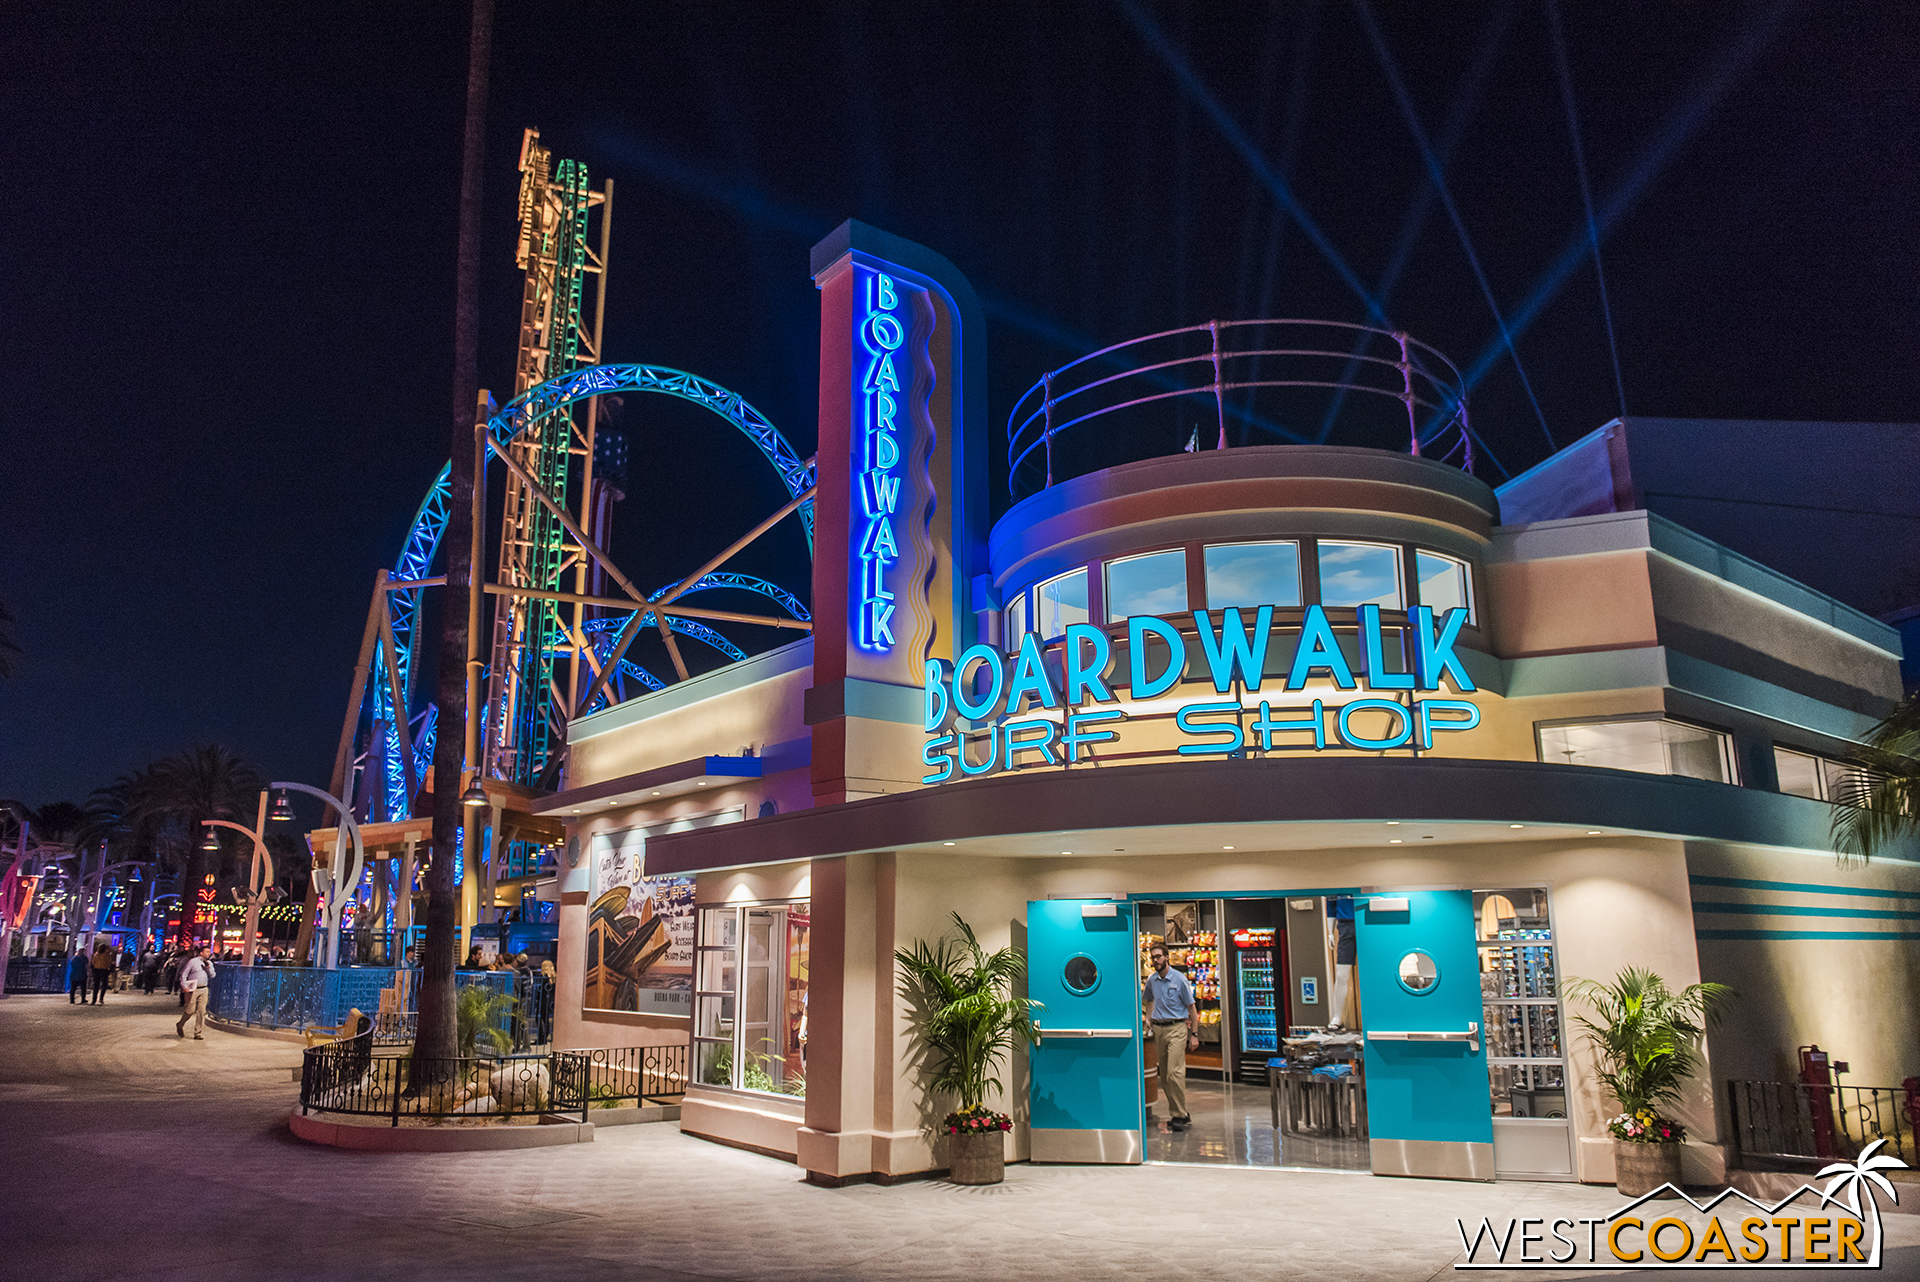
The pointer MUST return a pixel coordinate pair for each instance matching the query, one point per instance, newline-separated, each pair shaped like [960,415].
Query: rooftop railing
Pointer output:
[1249,373]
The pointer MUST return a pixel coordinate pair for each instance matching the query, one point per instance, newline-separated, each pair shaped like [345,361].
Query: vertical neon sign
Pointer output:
[882,333]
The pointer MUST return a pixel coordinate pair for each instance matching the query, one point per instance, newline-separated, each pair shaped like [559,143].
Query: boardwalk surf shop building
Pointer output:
[1381,770]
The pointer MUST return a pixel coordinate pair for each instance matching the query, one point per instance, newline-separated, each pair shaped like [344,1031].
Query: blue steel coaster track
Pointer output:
[430,522]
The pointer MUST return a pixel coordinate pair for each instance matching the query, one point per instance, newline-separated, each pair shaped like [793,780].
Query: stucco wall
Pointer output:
[1851,997]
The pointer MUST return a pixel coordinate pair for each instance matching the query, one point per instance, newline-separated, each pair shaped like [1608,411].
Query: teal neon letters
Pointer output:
[1030,677]
[1087,676]
[1318,649]
[1433,655]
[1233,650]
[1138,684]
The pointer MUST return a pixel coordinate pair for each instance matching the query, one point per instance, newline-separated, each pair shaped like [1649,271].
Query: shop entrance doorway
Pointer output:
[1086,1072]
[1278,1078]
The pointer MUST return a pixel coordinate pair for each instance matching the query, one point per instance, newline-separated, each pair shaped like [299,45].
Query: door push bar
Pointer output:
[1471,1037]
[1086,1032]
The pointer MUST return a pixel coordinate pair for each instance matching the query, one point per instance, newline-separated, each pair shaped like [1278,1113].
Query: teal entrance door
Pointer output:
[1419,971]
[1086,1077]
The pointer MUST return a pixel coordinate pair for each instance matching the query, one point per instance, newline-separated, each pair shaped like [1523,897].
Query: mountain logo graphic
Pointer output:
[1833,1228]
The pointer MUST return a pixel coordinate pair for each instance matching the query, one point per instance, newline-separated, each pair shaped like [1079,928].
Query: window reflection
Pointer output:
[1443,583]
[1155,583]
[1060,602]
[1649,746]
[1250,575]
[1356,574]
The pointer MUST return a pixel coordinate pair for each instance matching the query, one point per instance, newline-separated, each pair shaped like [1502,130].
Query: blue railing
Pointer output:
[31,975]
[298,998]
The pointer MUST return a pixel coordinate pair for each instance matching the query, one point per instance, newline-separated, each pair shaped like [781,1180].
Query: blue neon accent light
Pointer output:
[882,334]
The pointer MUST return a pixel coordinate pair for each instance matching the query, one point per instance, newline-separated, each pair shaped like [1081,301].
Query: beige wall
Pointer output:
[756,716]
[1852,998]
[1570,603]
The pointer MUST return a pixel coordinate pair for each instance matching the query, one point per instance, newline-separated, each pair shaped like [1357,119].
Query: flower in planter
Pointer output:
[977,1120]
[1644,1126]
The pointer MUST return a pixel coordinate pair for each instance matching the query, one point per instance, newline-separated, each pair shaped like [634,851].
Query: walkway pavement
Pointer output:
[129,1154]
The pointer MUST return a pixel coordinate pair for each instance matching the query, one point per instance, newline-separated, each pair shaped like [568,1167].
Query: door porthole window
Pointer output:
[1419,973]
[1080,974]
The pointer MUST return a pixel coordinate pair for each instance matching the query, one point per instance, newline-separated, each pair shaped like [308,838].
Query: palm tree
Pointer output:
[1647,1036]
[962,999]
[1877,806]
[173,795]
[437,1032]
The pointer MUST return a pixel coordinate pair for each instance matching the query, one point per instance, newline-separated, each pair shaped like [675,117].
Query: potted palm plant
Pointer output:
[1646,1037]
[966,1020]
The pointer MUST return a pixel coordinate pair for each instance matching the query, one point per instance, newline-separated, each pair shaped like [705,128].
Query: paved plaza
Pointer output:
[130,1154]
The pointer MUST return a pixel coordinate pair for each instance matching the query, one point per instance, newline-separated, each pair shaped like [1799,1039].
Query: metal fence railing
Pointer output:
[1794,1122]
[31,975]
[301,998]
[357,1078]
[636,1074]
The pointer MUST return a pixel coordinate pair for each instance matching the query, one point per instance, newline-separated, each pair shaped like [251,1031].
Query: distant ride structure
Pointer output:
[564,615]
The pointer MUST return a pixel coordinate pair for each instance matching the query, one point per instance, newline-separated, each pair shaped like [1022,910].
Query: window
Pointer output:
[1520,993]
[1016,621]
[1153,583]
[1804,775]
[1355,574]
[1060,601]
[750,999]
[1250,575]
[1445,583]
[1649,745]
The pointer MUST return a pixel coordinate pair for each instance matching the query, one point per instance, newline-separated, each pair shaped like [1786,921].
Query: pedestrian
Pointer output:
[147,968]
[172,966]
[1176,1031]
[77,972]
[102,964]
[195,978]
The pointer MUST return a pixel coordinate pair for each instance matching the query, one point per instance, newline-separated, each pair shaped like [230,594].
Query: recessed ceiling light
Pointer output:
[1393,841]
[656,792]
[1593,832]
[1066,852]
[1393,823]
[1226,847]
[1428,837]
[576,810]
[1516,825]
[946,843]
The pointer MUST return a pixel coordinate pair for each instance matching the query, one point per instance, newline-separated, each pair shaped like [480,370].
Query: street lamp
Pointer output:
[475,796]
[338,889]
[212,843]
[282,812]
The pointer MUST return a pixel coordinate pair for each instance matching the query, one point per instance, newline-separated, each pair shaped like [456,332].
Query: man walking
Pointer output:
[1176,1030]
[77,972]
[196,975]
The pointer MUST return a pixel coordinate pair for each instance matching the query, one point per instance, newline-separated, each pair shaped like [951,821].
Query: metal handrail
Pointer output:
[1035,420]
[1801,1122]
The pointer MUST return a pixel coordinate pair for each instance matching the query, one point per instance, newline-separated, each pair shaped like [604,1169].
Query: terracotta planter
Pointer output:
[977,1158]
[1639,1169]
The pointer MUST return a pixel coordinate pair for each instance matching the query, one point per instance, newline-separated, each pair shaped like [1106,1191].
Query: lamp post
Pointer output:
[259,874]
[337,890]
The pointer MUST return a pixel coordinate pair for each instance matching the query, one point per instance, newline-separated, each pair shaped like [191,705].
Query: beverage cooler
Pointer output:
[1255,989]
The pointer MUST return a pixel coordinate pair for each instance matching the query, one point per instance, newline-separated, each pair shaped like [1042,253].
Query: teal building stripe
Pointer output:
[1799,910]
[1885,935]
[1807,887]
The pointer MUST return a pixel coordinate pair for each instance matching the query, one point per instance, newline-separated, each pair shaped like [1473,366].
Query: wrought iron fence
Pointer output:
[1794,1122]
[358,1078]
[640,1074]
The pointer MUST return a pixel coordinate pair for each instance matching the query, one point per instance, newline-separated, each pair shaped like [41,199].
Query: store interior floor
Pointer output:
[1233,1126]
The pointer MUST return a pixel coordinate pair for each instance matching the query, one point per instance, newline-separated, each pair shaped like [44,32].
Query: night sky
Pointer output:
[226,287]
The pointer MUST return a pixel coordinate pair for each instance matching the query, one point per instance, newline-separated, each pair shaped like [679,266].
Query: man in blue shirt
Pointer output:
[1176,1030]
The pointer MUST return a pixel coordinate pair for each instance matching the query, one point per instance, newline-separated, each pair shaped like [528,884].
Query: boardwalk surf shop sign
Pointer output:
[991,711]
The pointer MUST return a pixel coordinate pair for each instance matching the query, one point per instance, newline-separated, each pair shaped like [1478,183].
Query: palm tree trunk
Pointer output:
[437,1031]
